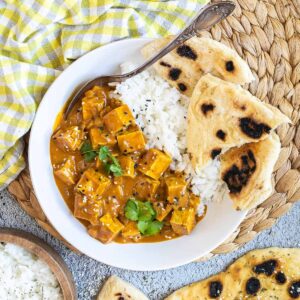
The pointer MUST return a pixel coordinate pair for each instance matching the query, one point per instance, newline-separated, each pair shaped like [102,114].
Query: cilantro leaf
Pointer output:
[107,168]
[149,227]
[114,160]
[103,153]
[131,210]
[154,227]
[146,211]
[87,151]
[116,170]
[142,226]
[89,156]
[86,147]
[150,208]
[111,163]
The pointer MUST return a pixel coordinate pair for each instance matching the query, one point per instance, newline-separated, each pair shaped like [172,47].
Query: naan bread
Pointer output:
[117,289]
[247,171]
[264,274]
[222,115]
[184,66]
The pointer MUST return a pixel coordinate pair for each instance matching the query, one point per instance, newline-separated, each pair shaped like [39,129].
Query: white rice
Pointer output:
[161,113]
[24,276]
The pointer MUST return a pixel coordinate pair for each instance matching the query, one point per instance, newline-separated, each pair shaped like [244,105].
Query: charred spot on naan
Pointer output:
[252,128]
[237,178]
[252,286]
[215,152]
[164,64]
[221,134]
[182,86]
[215,289]
[174,73]
[229,66]
[186,51]
[121,296]
[268,267]
[294,289]
[207,107]
[280,278]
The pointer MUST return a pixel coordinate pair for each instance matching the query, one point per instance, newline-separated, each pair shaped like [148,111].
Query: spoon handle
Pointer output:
[208,16]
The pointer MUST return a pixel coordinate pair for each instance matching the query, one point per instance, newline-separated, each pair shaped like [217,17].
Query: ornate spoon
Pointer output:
[208,16]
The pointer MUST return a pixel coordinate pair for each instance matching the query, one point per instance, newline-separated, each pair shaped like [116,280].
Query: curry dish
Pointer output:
[117,187]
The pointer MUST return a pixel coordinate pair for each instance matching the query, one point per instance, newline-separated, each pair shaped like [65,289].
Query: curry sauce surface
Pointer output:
[115,195]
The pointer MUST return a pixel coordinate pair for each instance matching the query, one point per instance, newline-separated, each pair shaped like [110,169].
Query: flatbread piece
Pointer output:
[265,274]
[247,171]
[117,289]
[222,115]
[185,65]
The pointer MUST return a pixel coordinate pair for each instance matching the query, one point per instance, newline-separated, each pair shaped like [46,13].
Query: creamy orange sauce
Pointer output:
[113,199]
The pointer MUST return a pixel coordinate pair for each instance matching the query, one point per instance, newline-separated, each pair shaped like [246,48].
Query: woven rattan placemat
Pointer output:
[267,35]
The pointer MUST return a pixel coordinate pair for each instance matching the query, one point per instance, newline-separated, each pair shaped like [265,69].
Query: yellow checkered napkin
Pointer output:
[39,38]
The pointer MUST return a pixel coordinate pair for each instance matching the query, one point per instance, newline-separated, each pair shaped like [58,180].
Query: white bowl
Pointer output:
[221,219]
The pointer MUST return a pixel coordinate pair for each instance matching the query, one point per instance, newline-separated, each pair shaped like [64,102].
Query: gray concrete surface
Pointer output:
[89,275]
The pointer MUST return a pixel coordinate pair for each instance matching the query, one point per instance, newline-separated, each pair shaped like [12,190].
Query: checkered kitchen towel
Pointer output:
[39,38]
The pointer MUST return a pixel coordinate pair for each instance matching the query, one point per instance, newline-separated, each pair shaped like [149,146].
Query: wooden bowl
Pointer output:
[45,253]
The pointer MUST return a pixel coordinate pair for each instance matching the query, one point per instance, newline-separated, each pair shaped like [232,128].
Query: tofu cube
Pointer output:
[145,188]
[100,137]
[112,223]
[87,209]
[107,230]
[181,202]
[130,231]
[92,183]
[69,139]
[176,190]
[183,221]
[162,210]
[115,196]
[91,107]
[118,119]
[67,172]
[127,165]
[154,163]
[131,142]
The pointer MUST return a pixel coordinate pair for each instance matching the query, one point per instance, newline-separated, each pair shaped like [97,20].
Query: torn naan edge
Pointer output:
[271,273]
[247,171]
[185,65]
[117,289]
[222,115]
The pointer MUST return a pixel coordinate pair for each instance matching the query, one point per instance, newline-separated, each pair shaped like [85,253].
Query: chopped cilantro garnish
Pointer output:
[132,210]
[103,153]
[87,151]
[146,211]
[144,214]
[115,169]
[150,227]
[111,164]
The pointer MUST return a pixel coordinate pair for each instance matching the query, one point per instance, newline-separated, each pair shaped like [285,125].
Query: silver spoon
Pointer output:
[208,16]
